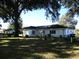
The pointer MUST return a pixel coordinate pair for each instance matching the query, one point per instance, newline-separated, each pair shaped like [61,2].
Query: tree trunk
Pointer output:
[16,25]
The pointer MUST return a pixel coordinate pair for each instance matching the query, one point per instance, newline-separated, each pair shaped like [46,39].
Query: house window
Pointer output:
[33,32]
[43,32]
[52,31]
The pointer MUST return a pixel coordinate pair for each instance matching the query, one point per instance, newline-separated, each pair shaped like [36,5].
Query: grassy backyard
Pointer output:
[38,49]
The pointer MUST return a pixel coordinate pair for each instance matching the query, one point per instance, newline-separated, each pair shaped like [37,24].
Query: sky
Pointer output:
[36,18]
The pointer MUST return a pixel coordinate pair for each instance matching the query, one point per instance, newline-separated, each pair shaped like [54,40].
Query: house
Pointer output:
[8,32]
[11,32]
[50,30]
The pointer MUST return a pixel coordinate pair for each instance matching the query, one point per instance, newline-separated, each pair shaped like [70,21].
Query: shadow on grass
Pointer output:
[33,49]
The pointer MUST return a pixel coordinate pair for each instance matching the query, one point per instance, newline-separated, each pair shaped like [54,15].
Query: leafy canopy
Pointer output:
[9,8]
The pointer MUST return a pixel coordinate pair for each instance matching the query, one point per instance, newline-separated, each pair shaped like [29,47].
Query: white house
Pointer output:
[52,30]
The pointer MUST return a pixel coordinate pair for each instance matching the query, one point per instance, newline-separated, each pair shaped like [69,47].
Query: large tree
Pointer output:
[11,9]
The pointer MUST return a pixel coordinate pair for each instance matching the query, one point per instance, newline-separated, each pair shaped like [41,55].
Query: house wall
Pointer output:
[29,32]
[69,31]
[42,32]
[59,32]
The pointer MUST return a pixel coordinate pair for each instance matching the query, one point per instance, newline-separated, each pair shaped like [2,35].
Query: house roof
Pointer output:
[31,27]
[8,29]
[60,26]
[49,26]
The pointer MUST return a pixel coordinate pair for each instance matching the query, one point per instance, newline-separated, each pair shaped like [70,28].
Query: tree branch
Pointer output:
[5,10]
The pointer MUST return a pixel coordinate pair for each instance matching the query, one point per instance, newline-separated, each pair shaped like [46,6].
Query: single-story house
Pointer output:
[9,31]
[52,30]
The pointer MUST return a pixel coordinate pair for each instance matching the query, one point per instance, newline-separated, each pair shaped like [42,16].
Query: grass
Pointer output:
[37,49]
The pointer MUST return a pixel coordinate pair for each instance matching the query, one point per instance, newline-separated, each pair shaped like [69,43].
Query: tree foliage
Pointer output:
[72,5]
[66,20]
[9,9]
[11,24]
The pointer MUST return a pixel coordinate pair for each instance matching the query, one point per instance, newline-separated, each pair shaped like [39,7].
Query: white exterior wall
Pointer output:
[47,31]
[26,32]
[63,32]
[39,32]
[29,32]
[69,31]
[59,32]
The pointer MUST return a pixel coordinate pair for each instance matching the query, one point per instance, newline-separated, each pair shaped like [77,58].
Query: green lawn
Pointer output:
[37,49]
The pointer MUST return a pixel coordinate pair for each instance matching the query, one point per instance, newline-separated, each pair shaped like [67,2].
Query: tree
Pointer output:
[12,27]
[11,9]
[66,20]
[72,5]
[11,24]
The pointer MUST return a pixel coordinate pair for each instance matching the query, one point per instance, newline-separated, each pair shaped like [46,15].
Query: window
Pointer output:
[33,32]
[43,32]
[52,31]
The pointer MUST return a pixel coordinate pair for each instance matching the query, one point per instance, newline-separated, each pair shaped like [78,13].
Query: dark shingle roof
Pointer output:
[49,26]
[31,27]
